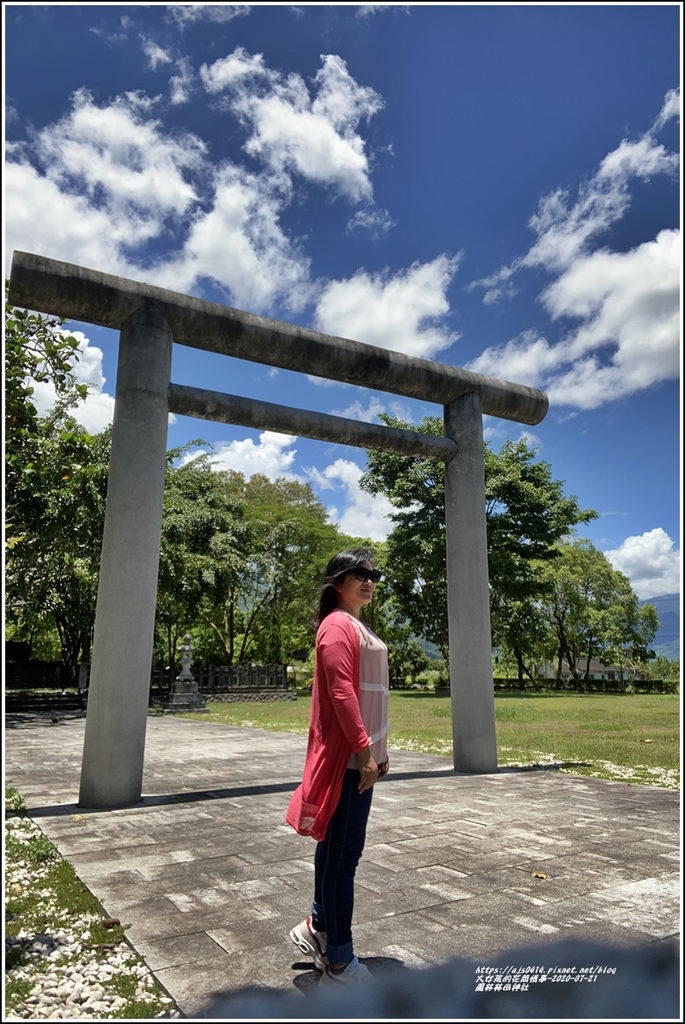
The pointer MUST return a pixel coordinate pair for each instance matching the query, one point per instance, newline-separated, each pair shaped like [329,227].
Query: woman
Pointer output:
[346,755]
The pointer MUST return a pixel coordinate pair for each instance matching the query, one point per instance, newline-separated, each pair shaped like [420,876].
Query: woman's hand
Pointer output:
[368,769]
[383,768]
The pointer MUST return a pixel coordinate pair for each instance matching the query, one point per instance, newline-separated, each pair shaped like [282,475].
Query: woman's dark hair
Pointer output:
[339,566]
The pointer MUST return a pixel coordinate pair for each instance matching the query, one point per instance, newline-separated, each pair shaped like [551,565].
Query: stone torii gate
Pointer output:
[150,319]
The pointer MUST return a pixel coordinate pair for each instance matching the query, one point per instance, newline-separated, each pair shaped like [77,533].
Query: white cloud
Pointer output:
[47,220]
[180,84]
[110,37]
[650,563]
[643,159]
[564,229]
[498,286]
[96,412]
[317,479]
[154,53]
[669,110]
[609,278]
[531,439]
[234,68]
[364,515]
[376,222]
[105,181]
[323,382]
[629,339]
[400,312]
[96,187]
[186,14]
[628,303]
[525,359]
[273,456]
[239,244]
[293,132]
[100,182]
[367,10]
[356,410]
[635,309]
[120,152]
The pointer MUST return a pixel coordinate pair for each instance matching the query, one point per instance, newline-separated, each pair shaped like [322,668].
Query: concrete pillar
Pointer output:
[114,746]
[468,594]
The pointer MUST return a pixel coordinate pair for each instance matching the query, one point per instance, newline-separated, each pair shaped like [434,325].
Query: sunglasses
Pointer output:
[373,575]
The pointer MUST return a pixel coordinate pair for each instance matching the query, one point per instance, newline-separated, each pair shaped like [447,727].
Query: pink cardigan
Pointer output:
[335,726]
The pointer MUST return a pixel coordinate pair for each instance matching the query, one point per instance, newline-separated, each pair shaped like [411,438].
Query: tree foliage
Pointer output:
[37,350]
[55,480]
[526,512]
[241,564]
[288,542]
[202,551]
[594,612]
[52,565]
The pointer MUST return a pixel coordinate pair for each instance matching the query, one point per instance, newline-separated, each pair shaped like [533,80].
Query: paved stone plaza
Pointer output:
[208,878]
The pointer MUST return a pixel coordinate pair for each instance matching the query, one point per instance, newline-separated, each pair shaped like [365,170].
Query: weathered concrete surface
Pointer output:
[468,592]
[250,412]
[78,293]
[208,879]
[119,691]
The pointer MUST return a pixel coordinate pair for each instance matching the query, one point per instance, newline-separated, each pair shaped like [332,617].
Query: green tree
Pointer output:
[52,565]
[631,639]
[666,669]
[521,633]
[37,350]
[241,564]
[595,613]
[526,511]
[290,539]
[203,553]
[55,482]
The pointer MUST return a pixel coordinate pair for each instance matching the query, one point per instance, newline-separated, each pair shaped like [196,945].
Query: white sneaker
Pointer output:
[311,943]
[354,974]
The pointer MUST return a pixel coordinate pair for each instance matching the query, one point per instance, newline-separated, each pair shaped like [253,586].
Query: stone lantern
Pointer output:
[185,695]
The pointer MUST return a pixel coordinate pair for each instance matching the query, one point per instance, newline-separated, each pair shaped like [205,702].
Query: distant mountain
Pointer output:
[667,640]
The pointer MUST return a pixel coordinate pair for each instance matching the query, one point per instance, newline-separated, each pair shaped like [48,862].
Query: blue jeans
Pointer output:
[335,864]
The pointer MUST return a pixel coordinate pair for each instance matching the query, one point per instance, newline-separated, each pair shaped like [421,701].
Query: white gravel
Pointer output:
[69,979]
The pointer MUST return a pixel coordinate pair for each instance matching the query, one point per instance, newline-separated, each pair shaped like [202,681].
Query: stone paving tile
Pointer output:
[194,988]
[632,905]
[598,867]
[238,939]
[494,920]
[494,923]
[144,907]
[272,969]
[376,878]
[409,897]
[177,951]
[160,925]
[413,939]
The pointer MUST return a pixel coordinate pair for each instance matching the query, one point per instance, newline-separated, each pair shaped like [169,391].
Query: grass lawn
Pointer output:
[628,737]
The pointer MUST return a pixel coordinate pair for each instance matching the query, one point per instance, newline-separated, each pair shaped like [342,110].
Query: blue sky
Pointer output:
[494,187]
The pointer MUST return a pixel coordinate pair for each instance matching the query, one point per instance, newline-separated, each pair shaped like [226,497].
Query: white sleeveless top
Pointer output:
[373,691]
